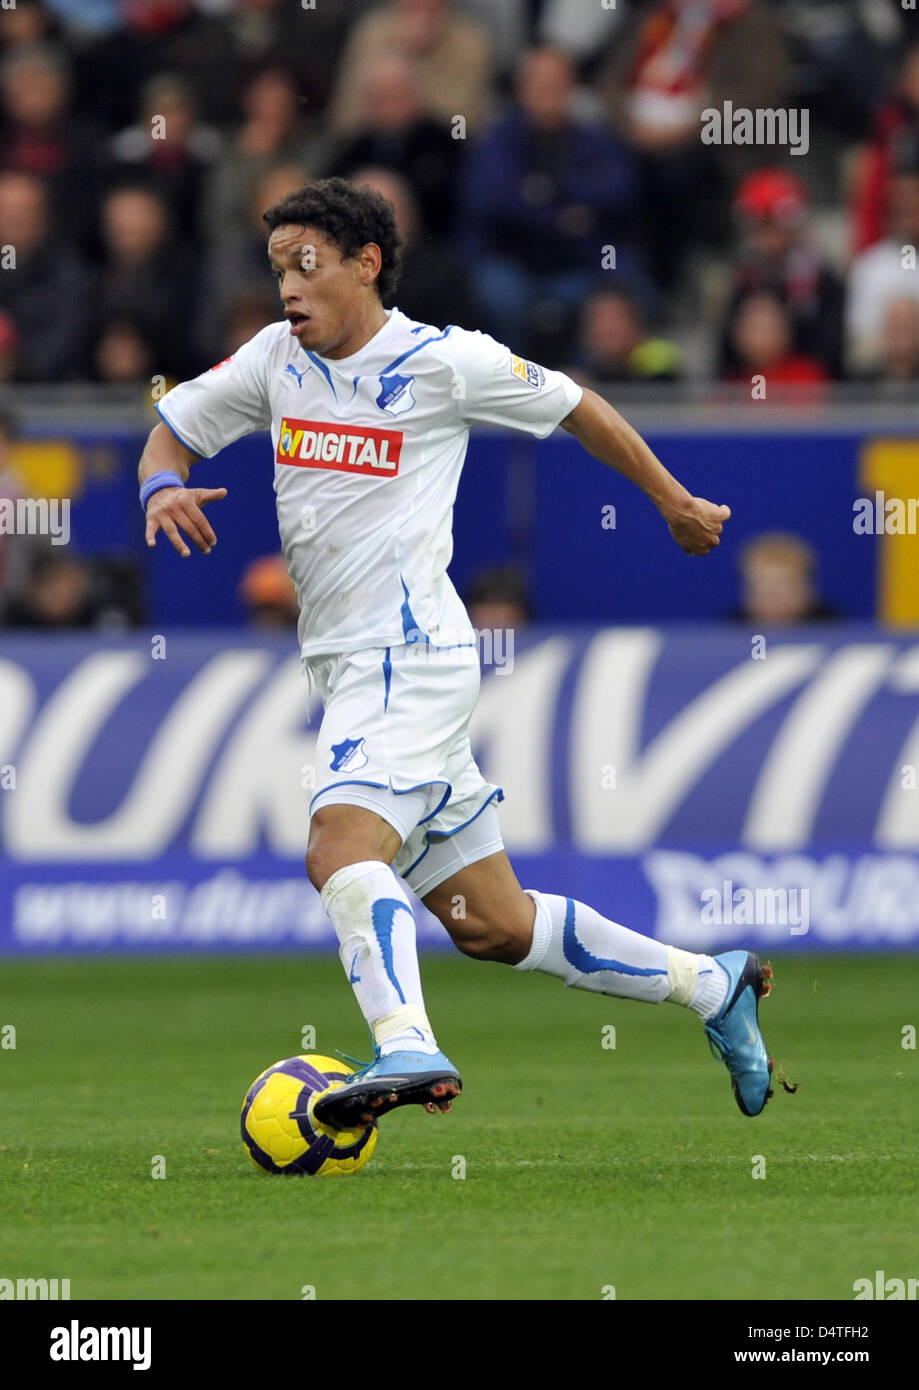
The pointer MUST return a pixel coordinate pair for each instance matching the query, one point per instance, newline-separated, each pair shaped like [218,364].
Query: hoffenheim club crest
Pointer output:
[349,755]
[397,395]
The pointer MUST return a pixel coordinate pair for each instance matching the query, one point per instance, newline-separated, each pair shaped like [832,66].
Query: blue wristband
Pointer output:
[156,481]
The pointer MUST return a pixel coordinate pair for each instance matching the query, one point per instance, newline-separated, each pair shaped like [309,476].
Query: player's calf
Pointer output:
[496,926]
[481,939]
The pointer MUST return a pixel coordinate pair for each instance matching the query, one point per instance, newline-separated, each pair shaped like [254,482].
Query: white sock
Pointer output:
[587,951]
[376,931]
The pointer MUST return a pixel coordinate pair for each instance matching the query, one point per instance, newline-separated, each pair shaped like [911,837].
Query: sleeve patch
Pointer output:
[528,371]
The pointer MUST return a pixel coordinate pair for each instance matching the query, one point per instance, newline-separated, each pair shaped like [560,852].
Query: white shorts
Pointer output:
[395,738]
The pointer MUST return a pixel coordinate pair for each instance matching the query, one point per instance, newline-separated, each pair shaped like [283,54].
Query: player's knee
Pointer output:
[316,870]
[326,854]
[342,835]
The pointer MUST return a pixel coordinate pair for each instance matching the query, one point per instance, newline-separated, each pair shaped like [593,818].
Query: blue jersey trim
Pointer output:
[396,791]
[417,348]
[414,635]
[416,863]
[387,679]
[410,629]
[172,430]
[318,362]
[350,782]
[497,794]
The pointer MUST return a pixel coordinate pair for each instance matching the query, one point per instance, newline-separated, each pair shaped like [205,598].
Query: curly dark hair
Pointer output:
[350,217]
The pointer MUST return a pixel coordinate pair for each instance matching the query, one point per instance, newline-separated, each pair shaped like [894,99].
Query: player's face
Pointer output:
[324,293]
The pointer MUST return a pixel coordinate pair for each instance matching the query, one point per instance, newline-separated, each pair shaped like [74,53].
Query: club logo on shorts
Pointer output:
[344,448]
[528,371]
[349,755]
[397,395]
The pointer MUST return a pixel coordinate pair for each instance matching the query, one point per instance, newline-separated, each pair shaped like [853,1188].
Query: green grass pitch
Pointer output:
[586,1167]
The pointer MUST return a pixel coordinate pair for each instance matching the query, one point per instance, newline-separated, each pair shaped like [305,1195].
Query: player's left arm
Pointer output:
[694,523]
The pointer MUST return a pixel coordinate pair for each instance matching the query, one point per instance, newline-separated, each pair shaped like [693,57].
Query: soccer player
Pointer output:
[369,414]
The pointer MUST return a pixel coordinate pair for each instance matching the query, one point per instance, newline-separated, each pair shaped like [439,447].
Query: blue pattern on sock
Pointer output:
[382,914]
[577,954]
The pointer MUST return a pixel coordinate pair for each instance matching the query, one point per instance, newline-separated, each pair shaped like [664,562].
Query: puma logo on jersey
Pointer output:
[354,449]
[293,371]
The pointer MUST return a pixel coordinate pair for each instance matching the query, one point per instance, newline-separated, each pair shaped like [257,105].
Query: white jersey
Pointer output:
[368,451]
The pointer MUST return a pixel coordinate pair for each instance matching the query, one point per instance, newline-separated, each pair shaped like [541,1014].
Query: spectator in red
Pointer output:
[896,127]
[777,257]
[761,337]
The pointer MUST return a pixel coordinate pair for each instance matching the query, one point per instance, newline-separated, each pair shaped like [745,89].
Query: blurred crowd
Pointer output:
[545,162]
[543,156]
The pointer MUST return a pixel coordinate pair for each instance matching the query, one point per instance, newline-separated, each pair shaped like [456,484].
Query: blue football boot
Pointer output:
[733,1033]
[401,1078]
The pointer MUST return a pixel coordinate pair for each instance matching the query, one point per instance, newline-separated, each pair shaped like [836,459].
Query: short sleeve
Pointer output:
[222,404]
[496,387]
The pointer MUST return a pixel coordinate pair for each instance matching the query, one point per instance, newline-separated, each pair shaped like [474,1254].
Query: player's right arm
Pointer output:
[174,510]
[198,419]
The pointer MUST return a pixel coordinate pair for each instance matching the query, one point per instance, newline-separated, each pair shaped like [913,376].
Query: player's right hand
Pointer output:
[174,510]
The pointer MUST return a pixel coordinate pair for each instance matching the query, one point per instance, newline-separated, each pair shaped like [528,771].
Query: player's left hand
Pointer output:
[697,527]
